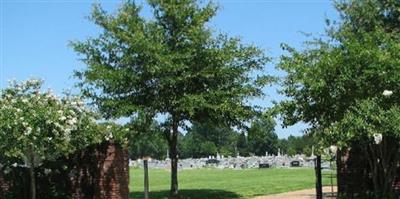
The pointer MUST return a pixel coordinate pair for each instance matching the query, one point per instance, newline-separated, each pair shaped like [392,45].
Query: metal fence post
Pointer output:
[318,184]
[146,177]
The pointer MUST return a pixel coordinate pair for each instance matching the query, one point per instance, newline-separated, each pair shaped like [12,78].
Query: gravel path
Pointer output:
[301,194]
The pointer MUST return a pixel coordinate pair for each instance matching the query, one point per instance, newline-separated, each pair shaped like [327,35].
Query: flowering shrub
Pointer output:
[41,122]
[114,133]
[36,126]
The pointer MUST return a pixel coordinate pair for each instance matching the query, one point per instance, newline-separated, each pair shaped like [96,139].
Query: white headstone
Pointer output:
[167,154]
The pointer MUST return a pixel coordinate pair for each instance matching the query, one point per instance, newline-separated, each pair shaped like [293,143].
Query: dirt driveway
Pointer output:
[301,194]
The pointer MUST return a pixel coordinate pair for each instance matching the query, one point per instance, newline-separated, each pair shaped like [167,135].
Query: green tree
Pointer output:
[262,137]
[173,65]
[357,60]
[147,141]
[37,126]
[242,145]
[223,139]
[190,147]
[283,145]
[297,144]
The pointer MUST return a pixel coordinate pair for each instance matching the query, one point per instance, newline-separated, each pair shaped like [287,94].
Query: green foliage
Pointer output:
[347,86]
[262,137]
[357,61]
[242,145]
[203,140]
[37,126]
[364,122]
[40,124]
[170,65]
[112,132]
[148,142]
[173,65]
[297,145]
[376,131]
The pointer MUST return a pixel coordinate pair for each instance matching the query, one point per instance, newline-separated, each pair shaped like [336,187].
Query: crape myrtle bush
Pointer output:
[38,133]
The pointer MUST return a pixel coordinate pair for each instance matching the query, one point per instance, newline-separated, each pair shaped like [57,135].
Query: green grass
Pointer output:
[223,184]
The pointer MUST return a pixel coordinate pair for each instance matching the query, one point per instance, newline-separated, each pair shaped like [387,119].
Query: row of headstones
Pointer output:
[231,162]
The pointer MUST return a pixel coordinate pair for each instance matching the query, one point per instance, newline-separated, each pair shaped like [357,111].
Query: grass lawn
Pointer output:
[223,184]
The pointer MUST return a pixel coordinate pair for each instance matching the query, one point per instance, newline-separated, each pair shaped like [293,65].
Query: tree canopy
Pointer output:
[346,85]
[172,65]
[358,60]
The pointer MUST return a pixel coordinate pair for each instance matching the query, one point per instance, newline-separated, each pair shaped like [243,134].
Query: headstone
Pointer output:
[263,165]
[312,151]
[295,163]
[212,161]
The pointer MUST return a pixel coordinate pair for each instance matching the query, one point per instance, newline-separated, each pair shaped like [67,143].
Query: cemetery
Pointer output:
[221,162]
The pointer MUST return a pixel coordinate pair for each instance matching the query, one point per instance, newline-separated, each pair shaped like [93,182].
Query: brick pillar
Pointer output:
[113,179]
[100,172]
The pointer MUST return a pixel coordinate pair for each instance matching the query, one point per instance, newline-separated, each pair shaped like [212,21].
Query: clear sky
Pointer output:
[35,34]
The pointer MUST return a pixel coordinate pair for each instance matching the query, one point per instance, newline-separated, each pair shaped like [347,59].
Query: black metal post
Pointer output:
[146,178]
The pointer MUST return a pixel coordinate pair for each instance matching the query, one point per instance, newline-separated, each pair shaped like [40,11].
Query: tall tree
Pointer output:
[262,137]
[222,140]
[147,139]
[297,145]
[173,65]
[357,60]
[242,146]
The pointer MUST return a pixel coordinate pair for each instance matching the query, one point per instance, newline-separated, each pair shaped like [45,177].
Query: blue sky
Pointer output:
[35,34]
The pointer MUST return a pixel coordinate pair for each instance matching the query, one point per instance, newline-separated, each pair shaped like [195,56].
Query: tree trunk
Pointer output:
[174,159]
[33,182]
[31,160]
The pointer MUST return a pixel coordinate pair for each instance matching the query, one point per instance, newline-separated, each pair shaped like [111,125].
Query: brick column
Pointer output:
[113,179]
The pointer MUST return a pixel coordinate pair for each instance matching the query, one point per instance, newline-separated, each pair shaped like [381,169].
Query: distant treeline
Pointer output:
[204,140]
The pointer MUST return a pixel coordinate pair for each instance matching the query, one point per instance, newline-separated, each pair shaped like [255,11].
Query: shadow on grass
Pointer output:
[189,194]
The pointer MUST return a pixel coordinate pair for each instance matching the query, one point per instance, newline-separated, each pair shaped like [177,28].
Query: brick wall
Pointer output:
[4,186]
[99,171]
